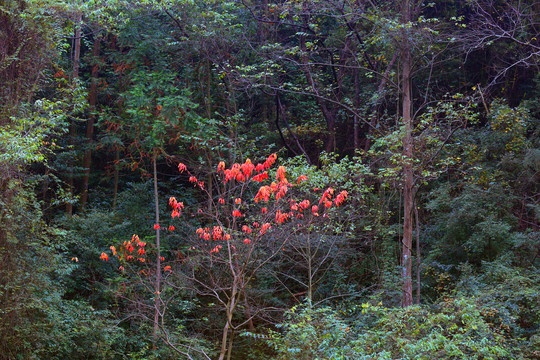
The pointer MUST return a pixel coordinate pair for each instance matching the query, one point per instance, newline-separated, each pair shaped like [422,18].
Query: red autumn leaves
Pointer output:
[177,208]
[245,174]
[216,233]
[326,198]
[277,190]
[132,250]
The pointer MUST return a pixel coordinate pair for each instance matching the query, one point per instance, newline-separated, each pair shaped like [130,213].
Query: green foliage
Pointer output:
[454,329]
[509,297]
[310,334]
[19,147]
[36,321]
[474,223]
[334,171]
[458,328]
[90,234]
[154,105]
[31,134]
[31,37]
[75,330]
[509,125]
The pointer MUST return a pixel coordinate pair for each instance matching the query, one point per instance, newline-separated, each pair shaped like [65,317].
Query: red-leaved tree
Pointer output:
[256,213]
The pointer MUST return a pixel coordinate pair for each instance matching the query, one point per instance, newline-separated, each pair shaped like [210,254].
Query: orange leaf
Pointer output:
[236,213]
[221,166]
[301,178]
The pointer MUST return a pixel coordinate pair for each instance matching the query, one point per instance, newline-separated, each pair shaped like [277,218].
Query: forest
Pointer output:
[269,179]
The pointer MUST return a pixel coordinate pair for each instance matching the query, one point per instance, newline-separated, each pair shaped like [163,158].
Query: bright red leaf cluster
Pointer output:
[276,190]
[243,173]
[176,206]
[132,250]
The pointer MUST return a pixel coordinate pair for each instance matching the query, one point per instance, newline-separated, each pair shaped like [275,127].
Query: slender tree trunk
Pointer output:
[418,258]
[116,177]
[356,123]
[208,98]
[224,340]
[408,175]
[229,350]
[226,343]
[92,101]
[157,288]
[77,45]
[72,130]
[210,188]
[310,273]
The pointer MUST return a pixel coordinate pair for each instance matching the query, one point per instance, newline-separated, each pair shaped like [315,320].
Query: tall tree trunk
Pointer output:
[408,175]
[72,130]
[157,284]
[77,45]
[92,101]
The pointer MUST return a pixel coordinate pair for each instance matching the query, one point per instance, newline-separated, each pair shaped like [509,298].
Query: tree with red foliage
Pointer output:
[243,229]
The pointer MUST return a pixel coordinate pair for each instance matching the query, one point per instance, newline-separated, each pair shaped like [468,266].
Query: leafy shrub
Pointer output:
[311,334]
[457,328]
[509,298]
[454,329]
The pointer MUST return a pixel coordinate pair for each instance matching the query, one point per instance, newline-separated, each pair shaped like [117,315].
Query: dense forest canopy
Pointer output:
[258,179]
